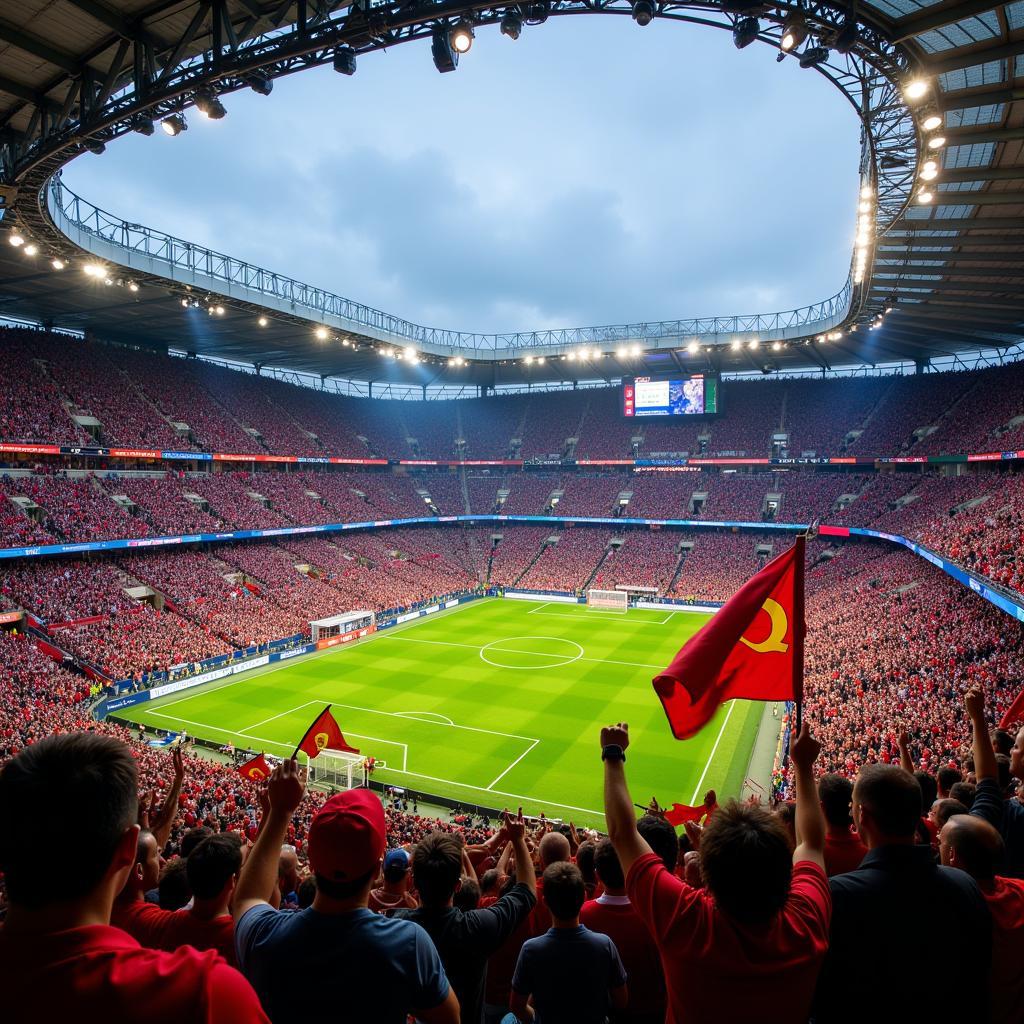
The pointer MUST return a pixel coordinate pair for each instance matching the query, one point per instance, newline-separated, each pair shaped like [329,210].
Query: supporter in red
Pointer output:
[59,957]
[974,846]
[750,944]
[393,892]
[843,849]
[613,915]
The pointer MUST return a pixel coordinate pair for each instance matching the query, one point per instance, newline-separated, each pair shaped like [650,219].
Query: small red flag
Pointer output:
[679,814]
[323,734]
[1014,713]
[256,770]
[752,649]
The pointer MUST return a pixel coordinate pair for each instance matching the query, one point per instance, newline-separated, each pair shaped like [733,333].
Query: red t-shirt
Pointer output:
[843,853]
[621,923]
[169,929]
[718,969]
[101,973]
[1005,898]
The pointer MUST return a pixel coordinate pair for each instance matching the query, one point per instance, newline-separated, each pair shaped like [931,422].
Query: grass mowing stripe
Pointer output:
[465,727]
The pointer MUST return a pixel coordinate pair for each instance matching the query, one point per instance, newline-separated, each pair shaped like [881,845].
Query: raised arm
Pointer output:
[906,761]
[810,821]
[160,824]
[984,754]
[259,873]
[619,816]
[515,829]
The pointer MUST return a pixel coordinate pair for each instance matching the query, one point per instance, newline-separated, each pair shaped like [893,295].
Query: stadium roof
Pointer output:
[75,74]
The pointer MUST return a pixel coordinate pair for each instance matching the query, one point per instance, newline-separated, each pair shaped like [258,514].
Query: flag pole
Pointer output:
[798,624]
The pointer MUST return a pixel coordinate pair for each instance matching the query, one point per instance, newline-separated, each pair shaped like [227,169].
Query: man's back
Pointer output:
[102,973]
[883,915]
[843,852]
[465,941]
[364,966]
[569,972]
[617,918]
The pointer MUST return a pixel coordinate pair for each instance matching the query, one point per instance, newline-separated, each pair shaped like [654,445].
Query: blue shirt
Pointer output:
[338,968]
[569,971]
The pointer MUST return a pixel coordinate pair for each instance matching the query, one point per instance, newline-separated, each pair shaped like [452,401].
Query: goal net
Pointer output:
[609,600]
[337,768]
[340,629]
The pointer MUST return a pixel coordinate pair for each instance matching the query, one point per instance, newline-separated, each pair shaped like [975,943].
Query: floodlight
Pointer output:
[261,83]
[31,249]
[322,333]
[16,239]
[931,122]
[95,146]
[462,36]
[794,32]
[813,56]
[915,89]
[511,24]
[263,321]
[57,263]
[643,12]
[143,124]
[937,142]
[207,103]
[345,60]
[445,57]
[174,124]
[745,32]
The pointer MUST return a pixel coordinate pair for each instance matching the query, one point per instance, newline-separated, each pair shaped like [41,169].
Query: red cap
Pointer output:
[348,836]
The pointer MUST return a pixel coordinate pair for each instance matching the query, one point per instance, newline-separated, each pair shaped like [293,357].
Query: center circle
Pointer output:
[531,653]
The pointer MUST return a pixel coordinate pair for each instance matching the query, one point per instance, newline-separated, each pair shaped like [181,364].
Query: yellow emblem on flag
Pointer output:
[257,773]
[321,740]
[774,641]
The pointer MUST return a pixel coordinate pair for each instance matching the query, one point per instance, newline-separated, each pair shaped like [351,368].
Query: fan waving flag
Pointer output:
[256,770]
[1014,713]
[753,649]
[679,814]
[323,734]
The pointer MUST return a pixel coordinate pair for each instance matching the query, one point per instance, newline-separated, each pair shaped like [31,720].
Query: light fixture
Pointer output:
[753,343]
[94,270]
[745,32]
[794,32]
[692,347]
[219,310]
[571,356]
[445,57]
[57,263]
[143,124]
[643,12]
[865,207]
[16,239]
[31,249]
[207,104]
[776,345]
[924,196]
[511,24]
[345,60]
[540,359]
[915,89]
[735,345]
[931,122]
[634,350]
[174,124]
[937,142]
[528,360]
[866,192]
[929,170]
[813,56]
[620,353]
[462,36]
[133,286]
[321,333]
[95,146]
[262,321]
[261,83]
[410,353]
[184,303]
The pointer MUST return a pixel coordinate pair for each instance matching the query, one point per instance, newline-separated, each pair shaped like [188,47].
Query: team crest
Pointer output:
[321,739]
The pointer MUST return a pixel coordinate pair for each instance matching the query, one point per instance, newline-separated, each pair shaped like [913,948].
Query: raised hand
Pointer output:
[615,735]
[286,786]
[974,702]
[806,749]
[514,825]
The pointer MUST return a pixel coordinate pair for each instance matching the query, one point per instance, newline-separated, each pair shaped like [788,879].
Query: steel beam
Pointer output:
[38,48]
[938,17]
[956,60]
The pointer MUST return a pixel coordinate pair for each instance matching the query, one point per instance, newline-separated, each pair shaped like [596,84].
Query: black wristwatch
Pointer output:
[613,752]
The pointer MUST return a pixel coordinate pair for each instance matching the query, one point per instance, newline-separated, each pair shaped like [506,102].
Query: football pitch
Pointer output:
[498,702]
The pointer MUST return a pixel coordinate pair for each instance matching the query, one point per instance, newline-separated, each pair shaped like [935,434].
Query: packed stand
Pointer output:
[570,563]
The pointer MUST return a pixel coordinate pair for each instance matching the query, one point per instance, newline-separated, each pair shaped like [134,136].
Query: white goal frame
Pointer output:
[337,768]
[608,600]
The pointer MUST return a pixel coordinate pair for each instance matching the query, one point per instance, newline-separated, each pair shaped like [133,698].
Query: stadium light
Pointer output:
[445,58]
[776,345]
[410,353]
[643,12]
[31,249]
[634,351]
[321,333]
[813,56]
[57,263]
[263,321]
[931,122]
[754,342]
[745,32]
[571,356]
[511,25]
[915,89]
[735,345]
[528,360]
[692,348]
[462,36]
[95,146]
[794,32]
[143,124]
[937,142]
[133,286]
[540,359]
[620,353]
[207,104]
[924,196]
[866,192]
[929,170]
[261,84]
[94,270]
[16,239]
[345,60]
[174,124]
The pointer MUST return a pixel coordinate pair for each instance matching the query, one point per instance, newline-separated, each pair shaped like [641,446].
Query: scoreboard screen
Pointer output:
[678,396]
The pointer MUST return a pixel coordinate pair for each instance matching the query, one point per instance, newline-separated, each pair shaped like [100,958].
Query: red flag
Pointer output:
[256,770]
[1014,713]
[752,649]
[679,814]
[323,734]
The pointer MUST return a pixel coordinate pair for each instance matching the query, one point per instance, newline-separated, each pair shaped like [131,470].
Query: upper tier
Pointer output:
[55,389]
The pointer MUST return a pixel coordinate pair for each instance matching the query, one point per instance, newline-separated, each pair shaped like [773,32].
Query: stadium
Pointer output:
[310,610]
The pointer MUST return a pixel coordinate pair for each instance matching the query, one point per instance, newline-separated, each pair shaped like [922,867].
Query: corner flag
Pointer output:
[752,649]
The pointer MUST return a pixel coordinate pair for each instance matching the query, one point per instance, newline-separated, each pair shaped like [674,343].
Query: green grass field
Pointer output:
[499,702]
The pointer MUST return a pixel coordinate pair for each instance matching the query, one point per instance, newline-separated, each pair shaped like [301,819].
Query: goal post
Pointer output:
[608,600]
[337,768]
[340,629]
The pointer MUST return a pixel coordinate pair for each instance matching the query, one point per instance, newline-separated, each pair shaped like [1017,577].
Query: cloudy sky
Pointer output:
[593,172]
